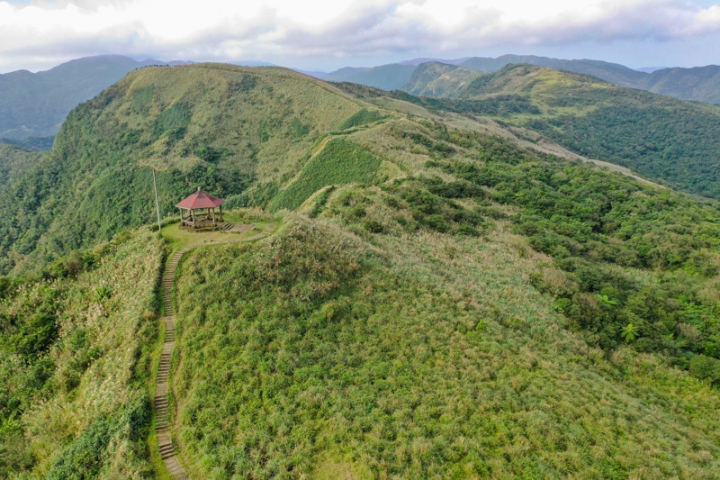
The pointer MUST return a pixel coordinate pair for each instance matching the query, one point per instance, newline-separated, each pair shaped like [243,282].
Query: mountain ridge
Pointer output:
[700,84]
[448,291]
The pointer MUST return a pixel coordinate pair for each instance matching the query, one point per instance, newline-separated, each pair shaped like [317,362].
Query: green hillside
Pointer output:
[519,317]
[659,137]
[387,77]
[434,79]
[610,72]
[443,294]
[76,346]
[35,144]
[217,126]
[15,162]
[701,84]
[36,104]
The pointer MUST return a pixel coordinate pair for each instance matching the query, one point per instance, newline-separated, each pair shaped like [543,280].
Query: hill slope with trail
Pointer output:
[450,294]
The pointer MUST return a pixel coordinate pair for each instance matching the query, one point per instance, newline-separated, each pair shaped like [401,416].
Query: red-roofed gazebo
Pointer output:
[198,211]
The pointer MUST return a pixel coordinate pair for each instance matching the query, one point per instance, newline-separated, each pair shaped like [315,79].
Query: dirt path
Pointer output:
[160,402]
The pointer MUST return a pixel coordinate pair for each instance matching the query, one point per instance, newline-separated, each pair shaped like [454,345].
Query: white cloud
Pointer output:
[44,32]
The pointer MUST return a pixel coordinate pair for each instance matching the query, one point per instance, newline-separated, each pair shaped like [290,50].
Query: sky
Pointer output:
[324,35]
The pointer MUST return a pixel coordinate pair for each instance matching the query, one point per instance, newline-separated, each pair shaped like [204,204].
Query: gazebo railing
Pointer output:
[202,221]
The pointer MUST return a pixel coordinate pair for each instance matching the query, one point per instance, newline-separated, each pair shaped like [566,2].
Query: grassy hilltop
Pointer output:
[446,296]
[497,312]
[217,126]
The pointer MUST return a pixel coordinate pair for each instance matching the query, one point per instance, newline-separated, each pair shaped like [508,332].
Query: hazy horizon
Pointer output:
[143,58]
[320,35]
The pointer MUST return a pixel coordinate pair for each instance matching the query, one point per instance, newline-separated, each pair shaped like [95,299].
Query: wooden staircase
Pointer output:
[160,402]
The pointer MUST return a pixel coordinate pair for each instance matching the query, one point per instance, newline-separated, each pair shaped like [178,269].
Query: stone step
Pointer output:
[164,447]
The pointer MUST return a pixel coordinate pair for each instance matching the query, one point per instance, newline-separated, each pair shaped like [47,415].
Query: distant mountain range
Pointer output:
[34,105]
[700,84]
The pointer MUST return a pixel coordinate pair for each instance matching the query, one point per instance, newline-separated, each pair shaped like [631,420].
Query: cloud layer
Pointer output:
[324,34]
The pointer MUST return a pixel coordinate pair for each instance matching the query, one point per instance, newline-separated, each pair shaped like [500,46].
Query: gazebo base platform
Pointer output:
[187,224]
[200,229]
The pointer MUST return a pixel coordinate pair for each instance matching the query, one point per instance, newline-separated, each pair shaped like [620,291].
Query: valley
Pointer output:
[444,282]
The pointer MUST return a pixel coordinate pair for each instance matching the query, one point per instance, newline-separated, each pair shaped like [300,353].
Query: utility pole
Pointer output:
[157,202]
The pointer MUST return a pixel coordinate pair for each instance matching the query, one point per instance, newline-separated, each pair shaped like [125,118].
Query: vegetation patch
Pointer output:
[339,162]
[74,359]
[363,117]
[423,356]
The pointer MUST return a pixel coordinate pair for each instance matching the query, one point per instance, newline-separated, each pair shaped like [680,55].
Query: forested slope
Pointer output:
[15,162]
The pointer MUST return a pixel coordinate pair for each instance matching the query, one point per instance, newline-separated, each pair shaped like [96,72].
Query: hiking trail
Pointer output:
[160,402]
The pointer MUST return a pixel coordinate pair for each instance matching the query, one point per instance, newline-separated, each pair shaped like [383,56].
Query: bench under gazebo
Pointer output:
[198,211]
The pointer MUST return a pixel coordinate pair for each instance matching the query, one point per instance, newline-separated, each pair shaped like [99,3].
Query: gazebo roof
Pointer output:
[200,199]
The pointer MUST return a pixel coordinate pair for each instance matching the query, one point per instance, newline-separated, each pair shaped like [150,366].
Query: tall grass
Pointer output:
[78,408]
[319,353]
